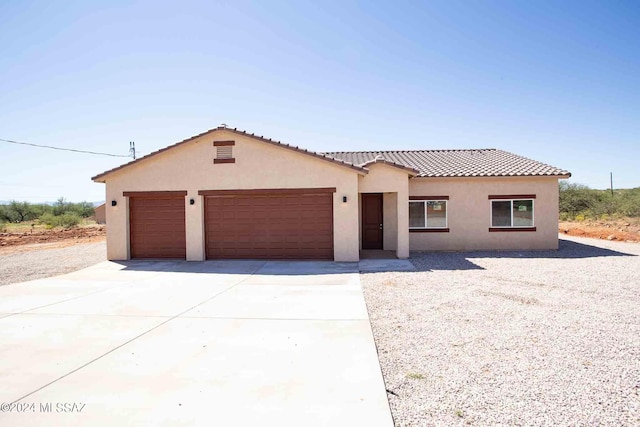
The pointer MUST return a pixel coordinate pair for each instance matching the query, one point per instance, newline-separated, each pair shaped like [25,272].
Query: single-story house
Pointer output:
[228,194]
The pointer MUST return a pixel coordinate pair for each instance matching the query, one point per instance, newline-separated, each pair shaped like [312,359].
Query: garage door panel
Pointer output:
[157,227]
[269,226]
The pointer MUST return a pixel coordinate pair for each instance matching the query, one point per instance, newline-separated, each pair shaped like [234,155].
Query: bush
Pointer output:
[576,198]
[24,211]
[580,202]
[66,220]
[82,209]
[69,220]
[50,220]
[17,212]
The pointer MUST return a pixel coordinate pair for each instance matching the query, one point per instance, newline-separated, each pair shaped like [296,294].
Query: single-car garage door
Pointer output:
[269,224]
[157,224]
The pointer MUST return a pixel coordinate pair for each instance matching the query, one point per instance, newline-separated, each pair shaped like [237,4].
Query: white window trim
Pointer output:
[533,213]
[424,207]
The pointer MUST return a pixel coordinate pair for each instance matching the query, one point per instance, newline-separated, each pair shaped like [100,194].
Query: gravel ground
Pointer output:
[38,264]
[512,338]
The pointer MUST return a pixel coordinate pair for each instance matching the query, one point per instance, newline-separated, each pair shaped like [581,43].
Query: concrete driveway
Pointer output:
[180,344]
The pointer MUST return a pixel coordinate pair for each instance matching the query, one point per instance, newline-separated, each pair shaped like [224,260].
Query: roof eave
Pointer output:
[559,176]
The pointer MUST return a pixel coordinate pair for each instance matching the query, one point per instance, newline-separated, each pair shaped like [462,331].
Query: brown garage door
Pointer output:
[269,224]
[157,225]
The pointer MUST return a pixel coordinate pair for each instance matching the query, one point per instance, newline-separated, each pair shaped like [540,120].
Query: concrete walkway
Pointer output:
[181,344]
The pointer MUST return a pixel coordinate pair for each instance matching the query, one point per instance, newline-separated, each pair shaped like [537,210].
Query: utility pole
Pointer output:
[132,149]
[611,181]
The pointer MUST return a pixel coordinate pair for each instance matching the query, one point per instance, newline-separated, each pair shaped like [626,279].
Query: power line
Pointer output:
[63,149]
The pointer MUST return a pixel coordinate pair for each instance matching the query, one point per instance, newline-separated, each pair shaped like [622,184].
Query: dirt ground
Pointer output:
[26,240]
[624,230]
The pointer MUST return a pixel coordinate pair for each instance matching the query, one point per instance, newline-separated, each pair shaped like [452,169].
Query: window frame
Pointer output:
[424,200]
[511,199]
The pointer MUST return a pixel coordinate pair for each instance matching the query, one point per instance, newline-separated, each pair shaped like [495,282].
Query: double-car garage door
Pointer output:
[243,224]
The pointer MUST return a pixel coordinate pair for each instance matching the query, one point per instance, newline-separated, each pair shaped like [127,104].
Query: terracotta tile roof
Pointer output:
[456,163]
[423,163]
[100,177]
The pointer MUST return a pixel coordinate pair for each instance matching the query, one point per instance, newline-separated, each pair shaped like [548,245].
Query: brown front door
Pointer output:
[291,224]
[372,221]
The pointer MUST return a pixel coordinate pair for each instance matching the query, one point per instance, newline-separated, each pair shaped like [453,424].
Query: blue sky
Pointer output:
[555,81]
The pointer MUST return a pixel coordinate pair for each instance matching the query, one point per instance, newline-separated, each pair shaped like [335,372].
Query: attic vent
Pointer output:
[224,151]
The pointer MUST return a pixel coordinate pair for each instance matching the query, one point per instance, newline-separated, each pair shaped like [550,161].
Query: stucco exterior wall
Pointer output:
[469,213]
[390,221]
[258,165]
[100,214]
[383,178]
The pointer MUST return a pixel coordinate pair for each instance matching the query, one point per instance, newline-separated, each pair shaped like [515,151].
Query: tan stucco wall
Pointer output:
[469,213]
[383,178]
[99,214]
[390,221]
[258,165]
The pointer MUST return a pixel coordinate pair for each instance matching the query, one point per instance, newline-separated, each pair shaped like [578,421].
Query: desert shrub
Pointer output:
[17,212]
[580,202]
[66,220]
[49,219]
[69,219]
[5,214]
[40,209]
[82,209]
[629,202]
[24,211]
[576,198]
[60,206]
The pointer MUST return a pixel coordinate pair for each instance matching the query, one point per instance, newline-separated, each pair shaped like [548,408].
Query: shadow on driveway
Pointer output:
[260,267]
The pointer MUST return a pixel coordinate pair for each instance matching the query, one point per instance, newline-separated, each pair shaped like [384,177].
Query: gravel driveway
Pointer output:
[37,264]
[512,338]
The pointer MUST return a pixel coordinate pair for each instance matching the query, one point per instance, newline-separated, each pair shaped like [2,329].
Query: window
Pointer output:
[510,214]
[428,214]
[224,151]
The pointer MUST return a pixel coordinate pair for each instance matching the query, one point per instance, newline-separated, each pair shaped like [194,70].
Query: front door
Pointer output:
[372,221]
